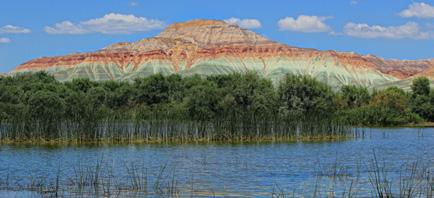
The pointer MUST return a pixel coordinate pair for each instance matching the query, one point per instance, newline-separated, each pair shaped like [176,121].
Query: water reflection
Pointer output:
[295,169]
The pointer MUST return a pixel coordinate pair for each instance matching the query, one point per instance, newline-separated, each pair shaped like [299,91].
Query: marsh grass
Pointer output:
[173,132]
[370,179]
[99,181]
[379,179]
[138,177]
[233,108]
[415,180]
[367,179]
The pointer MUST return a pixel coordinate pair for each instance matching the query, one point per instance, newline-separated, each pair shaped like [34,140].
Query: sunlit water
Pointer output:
[293,169]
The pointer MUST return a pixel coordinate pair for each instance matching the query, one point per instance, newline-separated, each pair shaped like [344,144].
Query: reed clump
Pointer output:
[374,178]
[236,108]
[233,108]
[132,179]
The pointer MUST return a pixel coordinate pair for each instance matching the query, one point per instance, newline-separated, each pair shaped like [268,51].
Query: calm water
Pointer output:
[295,169]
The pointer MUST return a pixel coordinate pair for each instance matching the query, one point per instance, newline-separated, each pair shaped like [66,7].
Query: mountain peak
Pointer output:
[197,23]
[211,32]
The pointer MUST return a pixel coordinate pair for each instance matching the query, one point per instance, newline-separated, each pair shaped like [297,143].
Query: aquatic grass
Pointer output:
[169,189]
[99,180]
[277,192]
[378,179]
[408,181]
[90,181]
[414,180]
[230,108]
[350,191]
[178,132]
[138,177]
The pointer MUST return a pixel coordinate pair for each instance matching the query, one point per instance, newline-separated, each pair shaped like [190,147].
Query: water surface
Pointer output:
[295,169]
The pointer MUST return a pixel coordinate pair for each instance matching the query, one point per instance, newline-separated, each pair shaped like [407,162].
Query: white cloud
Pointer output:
[409,30]
[134,4]
[108,24]
[304,24]
[244,23]
[5,40]
[419,10]
[10,29]
[66,27]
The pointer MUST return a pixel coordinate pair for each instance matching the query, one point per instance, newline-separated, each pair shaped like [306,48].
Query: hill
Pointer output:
[208,47]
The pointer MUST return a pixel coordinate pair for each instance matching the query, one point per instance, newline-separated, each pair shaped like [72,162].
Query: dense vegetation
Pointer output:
[236,108]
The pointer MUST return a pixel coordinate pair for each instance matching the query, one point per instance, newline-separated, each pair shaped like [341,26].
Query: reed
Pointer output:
[100,180]
[153,132]
[235,108]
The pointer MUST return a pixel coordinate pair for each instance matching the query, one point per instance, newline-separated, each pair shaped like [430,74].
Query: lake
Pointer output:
[343,168]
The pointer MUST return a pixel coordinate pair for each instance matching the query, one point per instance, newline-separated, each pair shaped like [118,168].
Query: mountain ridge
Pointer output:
[208,47]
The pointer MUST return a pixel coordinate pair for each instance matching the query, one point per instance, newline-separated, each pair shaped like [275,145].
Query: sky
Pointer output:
[393,29]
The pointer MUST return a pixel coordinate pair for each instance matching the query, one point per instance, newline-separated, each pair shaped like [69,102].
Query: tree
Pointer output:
[421,102]
[202,102]
[47,109]
[40,76]
[420,86]
[96,97]
[303,95]
[122,96]
[249,92]
[391,107]
[176,88]
[354,96]
[80,84]
[423,106]
[152,90]
[392,98]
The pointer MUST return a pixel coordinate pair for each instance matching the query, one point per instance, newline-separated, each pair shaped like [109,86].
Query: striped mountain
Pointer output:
[208,47]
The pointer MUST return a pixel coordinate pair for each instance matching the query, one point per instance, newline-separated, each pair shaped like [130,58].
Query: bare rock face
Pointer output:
[206,33]
[208,47]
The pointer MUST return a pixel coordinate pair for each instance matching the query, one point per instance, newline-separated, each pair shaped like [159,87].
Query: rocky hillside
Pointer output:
[208,47]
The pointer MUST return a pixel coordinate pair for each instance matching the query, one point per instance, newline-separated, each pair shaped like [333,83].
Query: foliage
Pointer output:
[233,106]
[354,96]
[422,101]
[303,95]
[387,107]
[420,86]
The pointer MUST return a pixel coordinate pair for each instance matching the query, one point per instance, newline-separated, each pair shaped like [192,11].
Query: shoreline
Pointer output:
[420,125]
[251,141]
[409,125]
[205,141]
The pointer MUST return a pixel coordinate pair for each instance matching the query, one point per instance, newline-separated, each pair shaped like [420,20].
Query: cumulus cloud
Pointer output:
[244,23]
[409,30]
[304,24]
[10,29]
[5,40]
[419,10]
[112,23]
[66,27]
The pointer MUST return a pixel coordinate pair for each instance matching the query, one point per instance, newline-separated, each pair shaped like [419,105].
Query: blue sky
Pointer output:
[401,29]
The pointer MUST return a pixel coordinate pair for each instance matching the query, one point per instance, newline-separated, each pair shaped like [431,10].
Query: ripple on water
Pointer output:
[230,170]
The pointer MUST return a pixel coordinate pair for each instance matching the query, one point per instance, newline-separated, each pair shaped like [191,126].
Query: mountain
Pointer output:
[208,47]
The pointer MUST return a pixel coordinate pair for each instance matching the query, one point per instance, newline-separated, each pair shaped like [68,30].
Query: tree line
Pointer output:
[233,107]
